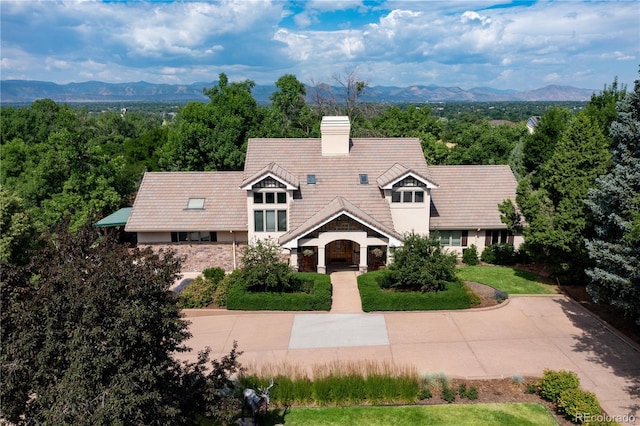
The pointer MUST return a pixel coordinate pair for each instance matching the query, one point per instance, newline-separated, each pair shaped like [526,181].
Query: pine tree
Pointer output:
[557,216]
[615,206]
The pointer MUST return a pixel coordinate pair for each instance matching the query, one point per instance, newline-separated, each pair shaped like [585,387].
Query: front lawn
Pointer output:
[375,299]
[510,280]
[463,414]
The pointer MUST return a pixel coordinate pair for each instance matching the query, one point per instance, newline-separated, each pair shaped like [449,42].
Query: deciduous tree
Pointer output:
[89,330]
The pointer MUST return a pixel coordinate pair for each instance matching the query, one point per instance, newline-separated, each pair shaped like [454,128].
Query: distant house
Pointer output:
[333,202]
[532,123]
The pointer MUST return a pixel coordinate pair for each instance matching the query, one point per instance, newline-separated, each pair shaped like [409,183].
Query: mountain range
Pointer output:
[26,91]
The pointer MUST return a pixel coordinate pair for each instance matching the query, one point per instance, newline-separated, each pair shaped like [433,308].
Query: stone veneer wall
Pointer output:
[201,256]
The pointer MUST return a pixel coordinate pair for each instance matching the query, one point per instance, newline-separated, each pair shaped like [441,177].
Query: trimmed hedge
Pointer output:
[317,299]
[577,404]
[553,383]
[375,299]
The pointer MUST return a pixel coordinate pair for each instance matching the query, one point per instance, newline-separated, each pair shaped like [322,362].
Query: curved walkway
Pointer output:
[521,337]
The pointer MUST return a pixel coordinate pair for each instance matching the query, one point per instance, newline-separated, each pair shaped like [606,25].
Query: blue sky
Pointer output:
[502,44]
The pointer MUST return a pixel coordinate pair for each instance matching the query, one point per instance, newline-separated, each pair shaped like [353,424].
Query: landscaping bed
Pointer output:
[455,296]
[514,390]
[317,298]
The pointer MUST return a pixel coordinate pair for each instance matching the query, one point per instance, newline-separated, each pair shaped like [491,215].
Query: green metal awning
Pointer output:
[118,218]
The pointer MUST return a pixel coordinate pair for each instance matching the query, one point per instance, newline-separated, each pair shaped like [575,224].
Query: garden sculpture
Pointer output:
[257,402]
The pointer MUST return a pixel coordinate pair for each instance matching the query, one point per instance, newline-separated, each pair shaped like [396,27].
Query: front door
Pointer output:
[342,254]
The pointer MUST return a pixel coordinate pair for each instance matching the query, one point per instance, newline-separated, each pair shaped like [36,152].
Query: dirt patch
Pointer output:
[486,294]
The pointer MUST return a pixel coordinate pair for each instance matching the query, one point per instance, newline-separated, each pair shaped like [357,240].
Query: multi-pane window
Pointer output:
[269,197]
[453,238]
[407,196]
[498,236]
[408,190]
[193,236]
[270,220]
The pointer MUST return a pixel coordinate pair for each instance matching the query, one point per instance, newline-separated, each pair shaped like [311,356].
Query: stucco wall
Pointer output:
[201,256]
[478,238]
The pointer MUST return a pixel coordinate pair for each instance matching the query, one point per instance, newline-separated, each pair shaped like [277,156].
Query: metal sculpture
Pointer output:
[256,402]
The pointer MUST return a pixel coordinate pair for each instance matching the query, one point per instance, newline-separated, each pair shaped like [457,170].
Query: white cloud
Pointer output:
[462,43]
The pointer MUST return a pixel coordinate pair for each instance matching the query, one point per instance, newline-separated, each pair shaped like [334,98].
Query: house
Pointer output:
[330,202]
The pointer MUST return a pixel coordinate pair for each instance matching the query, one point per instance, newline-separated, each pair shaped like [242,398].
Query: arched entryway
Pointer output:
[341,255]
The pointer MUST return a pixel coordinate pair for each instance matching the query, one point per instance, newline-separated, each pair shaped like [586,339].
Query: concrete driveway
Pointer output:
[523,336]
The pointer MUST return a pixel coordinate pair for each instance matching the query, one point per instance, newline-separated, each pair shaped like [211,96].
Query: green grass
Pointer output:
[511,280]
[464,414]
[375,299]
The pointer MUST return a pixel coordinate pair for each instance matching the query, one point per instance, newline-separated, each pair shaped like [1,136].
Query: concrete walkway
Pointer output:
[346,297]
[521,337]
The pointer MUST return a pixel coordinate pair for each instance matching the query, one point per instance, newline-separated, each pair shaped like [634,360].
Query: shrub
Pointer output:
[214,274]
[500,296]
[222,290]
[473,297]
[531,388]
[470,255]
[578,405]
[469,393]
[472,393]
[263,270]
[553,383]
[448,393]
[425,393]
[499,254]
[421,264]
[197,294]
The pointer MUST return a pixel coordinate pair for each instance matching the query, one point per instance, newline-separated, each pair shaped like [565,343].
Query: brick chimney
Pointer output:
[335,135]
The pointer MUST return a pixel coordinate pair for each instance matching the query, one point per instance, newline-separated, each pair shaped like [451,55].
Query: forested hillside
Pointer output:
[63,163]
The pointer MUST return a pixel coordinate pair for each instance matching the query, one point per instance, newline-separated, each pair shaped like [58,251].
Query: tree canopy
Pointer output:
[614,204]
[554,209]
[89,330]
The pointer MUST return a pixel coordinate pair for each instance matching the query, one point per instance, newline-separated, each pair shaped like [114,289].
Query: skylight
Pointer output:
[364,178]
[195,203]
[311,179]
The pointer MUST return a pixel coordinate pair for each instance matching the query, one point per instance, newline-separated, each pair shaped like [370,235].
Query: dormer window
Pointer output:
[269,182]
[364,179]
[269,197]
[407,196]
[195,204]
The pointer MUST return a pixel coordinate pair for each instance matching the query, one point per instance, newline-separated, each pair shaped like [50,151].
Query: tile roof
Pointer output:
[396,172]
[274,169]
[161,203]
[336,206]
[468,196]
[337,175]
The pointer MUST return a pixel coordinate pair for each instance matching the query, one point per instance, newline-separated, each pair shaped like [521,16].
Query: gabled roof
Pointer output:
[468,196]
[336,207]
[336,175]
[397,172]
[161,203]
[275,171]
